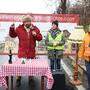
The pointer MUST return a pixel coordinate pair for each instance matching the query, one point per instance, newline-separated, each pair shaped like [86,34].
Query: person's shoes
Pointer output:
[18,83]
[58,70]
[52,70]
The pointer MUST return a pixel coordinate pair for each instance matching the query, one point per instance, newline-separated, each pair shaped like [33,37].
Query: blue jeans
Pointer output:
[88,72]
[55,64]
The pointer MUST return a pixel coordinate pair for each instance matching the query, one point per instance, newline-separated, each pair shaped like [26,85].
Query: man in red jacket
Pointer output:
[27,34]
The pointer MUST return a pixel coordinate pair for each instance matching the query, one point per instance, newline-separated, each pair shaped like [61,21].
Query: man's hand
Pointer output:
[34,33]
[13,25]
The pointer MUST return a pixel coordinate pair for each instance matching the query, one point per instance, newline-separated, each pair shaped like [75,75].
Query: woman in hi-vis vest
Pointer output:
[55,46]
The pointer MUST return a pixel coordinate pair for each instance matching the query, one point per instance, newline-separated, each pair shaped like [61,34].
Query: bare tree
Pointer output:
[82,7]
[62,8]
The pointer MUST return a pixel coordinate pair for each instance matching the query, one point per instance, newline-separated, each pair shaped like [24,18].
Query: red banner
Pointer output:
[63,18]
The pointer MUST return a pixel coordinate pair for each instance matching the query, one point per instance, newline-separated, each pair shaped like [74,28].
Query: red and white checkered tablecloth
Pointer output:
[2,80]
[36,67]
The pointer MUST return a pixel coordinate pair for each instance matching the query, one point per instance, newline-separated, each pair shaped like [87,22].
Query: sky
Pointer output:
[29,6]
[26,6]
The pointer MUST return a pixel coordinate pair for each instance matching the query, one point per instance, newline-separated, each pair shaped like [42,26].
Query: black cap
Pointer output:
[55,22]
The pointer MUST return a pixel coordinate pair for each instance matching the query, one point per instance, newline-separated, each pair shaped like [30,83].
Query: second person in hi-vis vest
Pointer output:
[55,46]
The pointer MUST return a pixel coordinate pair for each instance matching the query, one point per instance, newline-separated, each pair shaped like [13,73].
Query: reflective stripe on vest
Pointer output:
[57,39]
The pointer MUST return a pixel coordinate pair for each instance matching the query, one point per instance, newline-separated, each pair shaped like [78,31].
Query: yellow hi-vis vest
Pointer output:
[57,39]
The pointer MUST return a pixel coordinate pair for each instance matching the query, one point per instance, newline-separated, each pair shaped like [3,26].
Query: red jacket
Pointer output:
[27,42]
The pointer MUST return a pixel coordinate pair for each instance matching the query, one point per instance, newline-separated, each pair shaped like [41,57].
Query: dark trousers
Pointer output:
[55,64]
[88,72]
[55,57]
